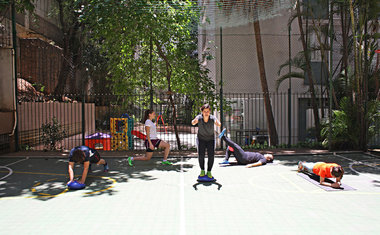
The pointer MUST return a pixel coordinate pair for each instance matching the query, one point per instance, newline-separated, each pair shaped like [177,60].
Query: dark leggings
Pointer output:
[202,146]
[239,153]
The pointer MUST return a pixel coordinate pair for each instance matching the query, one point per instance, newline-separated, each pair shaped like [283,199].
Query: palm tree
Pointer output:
[264,85]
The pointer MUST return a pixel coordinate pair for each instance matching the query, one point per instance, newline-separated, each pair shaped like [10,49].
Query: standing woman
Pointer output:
[206,139]
[152,141]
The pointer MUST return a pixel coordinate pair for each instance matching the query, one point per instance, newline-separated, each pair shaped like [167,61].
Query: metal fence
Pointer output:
[112,122]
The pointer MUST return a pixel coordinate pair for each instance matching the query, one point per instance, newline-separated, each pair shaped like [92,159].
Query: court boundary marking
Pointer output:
[10,169]
[182,223]
[316,191]
[355,162]
[9,173]
[182,184]
[64,191]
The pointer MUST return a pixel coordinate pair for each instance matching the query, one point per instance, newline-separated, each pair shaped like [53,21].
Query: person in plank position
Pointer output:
[323,170]
[84,155]
[251,159]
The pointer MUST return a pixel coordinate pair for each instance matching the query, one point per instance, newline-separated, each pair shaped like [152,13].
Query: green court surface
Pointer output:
[150,198]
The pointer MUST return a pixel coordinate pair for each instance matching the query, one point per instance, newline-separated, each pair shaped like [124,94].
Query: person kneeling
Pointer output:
[251,159]
[84,155]
[323,170]
[152,141]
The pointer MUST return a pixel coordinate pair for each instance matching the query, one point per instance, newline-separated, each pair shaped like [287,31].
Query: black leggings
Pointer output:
[202,146]
[239,153]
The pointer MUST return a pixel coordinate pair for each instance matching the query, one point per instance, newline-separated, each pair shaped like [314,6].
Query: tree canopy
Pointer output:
[131,33]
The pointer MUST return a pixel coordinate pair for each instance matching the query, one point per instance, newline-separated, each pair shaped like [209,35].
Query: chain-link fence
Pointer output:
[58,92]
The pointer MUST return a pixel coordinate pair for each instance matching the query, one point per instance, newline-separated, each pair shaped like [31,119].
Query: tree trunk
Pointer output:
[377,83]
[168,77]
[309,74]
[364,117]
[264,86]
[175,121]
[64,71]
[69,29]
[344,68]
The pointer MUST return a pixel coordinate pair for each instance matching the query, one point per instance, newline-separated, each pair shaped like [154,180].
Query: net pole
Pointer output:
[290,89]
[151,73]
[221,81]
[14,42]
[330,74]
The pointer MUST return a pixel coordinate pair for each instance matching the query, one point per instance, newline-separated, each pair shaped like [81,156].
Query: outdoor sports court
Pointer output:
[153,199]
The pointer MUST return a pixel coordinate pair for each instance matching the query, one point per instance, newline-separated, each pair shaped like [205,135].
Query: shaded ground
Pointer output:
[189,153]
[154,199]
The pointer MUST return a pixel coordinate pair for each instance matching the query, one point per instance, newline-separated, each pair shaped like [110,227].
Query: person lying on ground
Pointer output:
[250,159]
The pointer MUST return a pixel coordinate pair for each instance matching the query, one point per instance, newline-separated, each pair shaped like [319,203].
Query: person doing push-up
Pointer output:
[323,170]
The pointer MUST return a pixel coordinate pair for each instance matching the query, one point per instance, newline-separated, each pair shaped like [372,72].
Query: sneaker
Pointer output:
[202,174]
[222,133]
[167,163]
[224,162]
[130,161]
[106,168]
[209,176]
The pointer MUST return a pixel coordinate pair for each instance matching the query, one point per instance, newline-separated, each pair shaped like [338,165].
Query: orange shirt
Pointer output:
[323,169]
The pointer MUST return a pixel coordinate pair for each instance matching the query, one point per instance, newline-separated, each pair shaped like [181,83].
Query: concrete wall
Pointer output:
[6,91]
[40,62]
[43,24]
[241,72]
[240,67]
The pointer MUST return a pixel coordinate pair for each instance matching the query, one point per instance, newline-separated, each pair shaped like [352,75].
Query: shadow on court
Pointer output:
[352,163]
[45,179]
[207,184]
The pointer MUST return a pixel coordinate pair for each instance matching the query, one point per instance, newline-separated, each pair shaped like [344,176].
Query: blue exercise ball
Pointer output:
[76,185]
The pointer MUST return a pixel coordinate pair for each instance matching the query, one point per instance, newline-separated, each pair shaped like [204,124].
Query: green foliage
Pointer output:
[128,30]
[26,147]
[39,87]
[298,63]
[20,5]
[344,127]
[345,122]
[306,144]
[52,134]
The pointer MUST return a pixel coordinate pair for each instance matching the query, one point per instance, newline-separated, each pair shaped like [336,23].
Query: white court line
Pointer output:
[353,162]
[10,172]
[357,162]
[182,223]
[16,162]
[9,169]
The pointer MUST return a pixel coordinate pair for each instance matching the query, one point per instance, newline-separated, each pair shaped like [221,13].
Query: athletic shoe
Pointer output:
[222,133]
[210,177]
[167,163]
[202,174]
[130,161]
[106,168]
[225,162]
